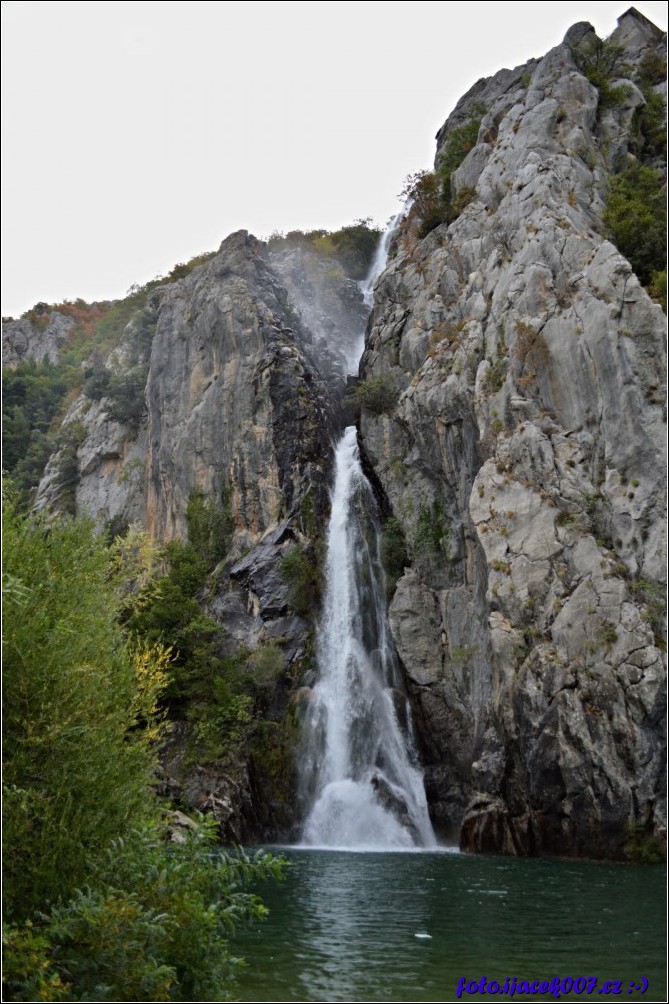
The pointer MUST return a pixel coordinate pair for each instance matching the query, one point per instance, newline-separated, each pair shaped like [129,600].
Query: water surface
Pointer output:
[407,926]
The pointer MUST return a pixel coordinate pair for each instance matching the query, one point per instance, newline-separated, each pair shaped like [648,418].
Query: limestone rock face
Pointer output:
[523,455]
[38,337]
[218,385]
[231,400]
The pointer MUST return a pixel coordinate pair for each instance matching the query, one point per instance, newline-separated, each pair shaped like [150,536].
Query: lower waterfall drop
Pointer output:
[359,775]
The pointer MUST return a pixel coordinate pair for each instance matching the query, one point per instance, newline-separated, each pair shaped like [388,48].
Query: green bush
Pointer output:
[643,847]
[77,765]
[33,395]
[353,247]
[601,61]
[66,479]
[299,571]
[152,925]
[210,526]
[165,609]
[376,394]
[430,194]
[423,191]
[433,530]
[393,551]
[100,904]
[459,142]
[635,217]
[657,287]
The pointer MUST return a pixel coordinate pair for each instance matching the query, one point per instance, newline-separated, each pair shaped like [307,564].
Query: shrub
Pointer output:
[78,761]
[649,140]
[100,903]
[303,579]
[210,525]
[657,287]
[423,190]
[66,478]
[33,396]
[601,61]
[429,192]
[393,551]
[153,925]
[433,530]
[635,217]
[459,142]
[643,847]
[376,394]
[353,247]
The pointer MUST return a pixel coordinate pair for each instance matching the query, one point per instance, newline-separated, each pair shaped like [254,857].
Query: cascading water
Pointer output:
[379,260]
[367,284]
[359,773]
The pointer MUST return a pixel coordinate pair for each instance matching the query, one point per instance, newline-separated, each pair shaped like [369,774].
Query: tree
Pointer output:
[77,757]
[636,219]
[101,903]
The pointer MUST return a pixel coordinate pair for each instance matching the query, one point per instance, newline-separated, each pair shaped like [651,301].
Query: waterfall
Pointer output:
[379,260]
[359,768]
[359,771]
[366,285]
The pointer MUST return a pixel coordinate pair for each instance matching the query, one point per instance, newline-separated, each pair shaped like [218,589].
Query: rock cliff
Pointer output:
[220,386]
[523,455]
[512,423]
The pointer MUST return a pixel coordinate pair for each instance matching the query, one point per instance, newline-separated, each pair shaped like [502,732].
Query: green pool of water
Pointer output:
[408,927]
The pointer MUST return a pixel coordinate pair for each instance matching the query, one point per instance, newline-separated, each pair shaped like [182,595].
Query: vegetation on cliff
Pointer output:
[352,247]
[430,193]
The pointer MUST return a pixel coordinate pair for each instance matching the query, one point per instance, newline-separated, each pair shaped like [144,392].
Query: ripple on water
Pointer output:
[397,927]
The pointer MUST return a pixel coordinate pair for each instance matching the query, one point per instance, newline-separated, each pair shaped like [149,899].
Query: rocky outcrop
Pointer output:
[220,386]
[37,336]
[523,455]
[230,400]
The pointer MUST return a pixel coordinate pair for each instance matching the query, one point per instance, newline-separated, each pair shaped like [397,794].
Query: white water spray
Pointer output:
[359,773]
[359,768]
[379,261]
[366,285]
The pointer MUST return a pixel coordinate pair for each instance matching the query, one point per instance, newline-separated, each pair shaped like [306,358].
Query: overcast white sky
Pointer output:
[136,135]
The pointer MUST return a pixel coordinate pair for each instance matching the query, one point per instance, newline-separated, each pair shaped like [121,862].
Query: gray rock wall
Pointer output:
[528,433]
[38,337]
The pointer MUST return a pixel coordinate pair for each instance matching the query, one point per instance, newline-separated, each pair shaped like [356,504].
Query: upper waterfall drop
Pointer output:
[380,259]
[366,285]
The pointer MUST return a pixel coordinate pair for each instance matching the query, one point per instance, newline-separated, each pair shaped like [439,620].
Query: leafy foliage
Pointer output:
[152,925]
[423,190]
[68,441]
[433,530]
[352,247]
[393,551]
[78,707]
[210,526]
[601,61]
[100,904]
[431,194]
[460,141]
[649,140]
[376,394]
[635,217]
[303,578]
[204,679]
[33,395]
